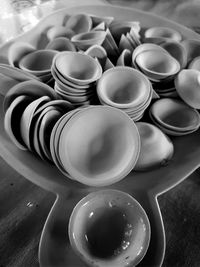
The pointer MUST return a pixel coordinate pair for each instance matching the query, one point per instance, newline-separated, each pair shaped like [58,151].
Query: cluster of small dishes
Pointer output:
[88,59]
[31,110]
[75,75]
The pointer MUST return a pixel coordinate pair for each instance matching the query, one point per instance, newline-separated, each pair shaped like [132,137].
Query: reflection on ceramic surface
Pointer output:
[109,228]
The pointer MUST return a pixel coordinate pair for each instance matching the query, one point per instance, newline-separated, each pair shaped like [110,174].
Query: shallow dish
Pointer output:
[145,187]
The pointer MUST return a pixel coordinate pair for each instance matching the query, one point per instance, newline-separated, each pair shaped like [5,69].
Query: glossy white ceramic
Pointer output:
[55,249]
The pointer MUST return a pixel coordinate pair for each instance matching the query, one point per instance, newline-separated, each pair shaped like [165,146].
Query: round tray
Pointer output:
[54,249]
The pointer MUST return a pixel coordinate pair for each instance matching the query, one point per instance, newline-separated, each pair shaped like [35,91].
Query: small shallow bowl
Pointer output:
[78,68]
[157,64]
[79,23]
[163,32]
[169,131]
[176,50]
[54,139]
[175,115]
[12,117]
[38,62]
[47,123]
[35,144]
[123,87]
[187,84]
[63,82]
[156,148]
[109,145]
[109,228]
[27,116]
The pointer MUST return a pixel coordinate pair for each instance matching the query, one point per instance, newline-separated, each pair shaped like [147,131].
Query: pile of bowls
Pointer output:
[75,77]
[174,117]
[127,89]
[34,62]
[162,34]
[155,62]
[187,84]
[31,110]
[95,145]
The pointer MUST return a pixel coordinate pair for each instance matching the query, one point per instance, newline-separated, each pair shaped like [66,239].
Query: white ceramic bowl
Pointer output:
[123,87]
[78,68]
[109,228]
[99,145]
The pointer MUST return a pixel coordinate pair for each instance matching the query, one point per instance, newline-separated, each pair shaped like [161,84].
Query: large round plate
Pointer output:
[54,248]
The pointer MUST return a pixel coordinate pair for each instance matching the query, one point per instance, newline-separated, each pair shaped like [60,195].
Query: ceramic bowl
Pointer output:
[187,84]
[164,33]
[109,143]
[123,87]
[78,68]
[109,228]
[156,148]
[157,64]
[27,116]
[174,114]
[38,62]
[12,117]
[79,23]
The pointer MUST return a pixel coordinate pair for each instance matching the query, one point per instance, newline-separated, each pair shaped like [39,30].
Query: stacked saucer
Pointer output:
[127,89]
[84,145]
[155,62]
[174,117]
[75,77]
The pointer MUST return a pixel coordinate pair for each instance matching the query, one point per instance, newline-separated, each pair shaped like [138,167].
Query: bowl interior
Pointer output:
[109,227]
[123,85]
[109,144]
[76,67]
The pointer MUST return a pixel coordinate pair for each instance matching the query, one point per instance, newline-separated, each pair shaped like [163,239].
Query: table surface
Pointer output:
[24,206]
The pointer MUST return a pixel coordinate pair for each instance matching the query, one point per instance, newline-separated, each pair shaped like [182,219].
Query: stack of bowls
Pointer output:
[35,62]
[75,77]
[159,66]
[127,89]
[155,62]
[174,117]
[85,145]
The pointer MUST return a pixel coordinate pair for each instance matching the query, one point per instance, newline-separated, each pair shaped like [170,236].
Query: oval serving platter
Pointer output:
[54,248]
